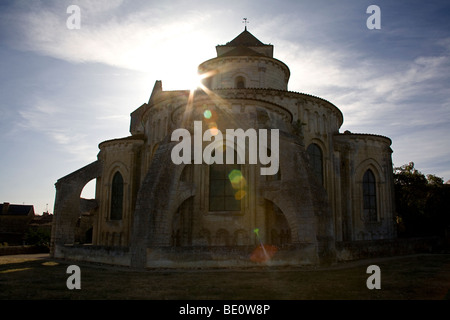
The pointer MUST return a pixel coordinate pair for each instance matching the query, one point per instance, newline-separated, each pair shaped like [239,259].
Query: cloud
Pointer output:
[368,88]
[405,98]
[45,117]
[134,39]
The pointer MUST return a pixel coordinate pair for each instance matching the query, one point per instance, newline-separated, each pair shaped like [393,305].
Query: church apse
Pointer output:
[208,176]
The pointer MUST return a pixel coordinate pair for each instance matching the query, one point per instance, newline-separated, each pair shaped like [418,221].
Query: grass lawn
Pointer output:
[425,276]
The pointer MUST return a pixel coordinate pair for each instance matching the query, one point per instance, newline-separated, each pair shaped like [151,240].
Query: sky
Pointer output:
[65,90]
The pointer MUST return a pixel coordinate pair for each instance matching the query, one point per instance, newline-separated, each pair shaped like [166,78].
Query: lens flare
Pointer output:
[237,179]
[240,194]
[213,128]
[238,183]
[207,114]
[264,252]
[214,131]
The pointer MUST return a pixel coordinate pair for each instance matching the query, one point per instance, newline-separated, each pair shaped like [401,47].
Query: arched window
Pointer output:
[240,82]
[369,196]
[117,197]
[224,183]
[316,160]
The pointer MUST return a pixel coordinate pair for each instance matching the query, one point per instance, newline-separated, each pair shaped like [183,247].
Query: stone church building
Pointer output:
[331,187]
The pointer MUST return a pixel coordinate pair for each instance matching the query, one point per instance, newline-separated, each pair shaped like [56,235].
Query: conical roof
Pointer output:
[241,51]
[245,39]
[245,44]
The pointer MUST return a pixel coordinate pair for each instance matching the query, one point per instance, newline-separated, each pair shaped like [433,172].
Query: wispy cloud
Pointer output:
[404,97]
[45,117]
[134,39]
[366,88]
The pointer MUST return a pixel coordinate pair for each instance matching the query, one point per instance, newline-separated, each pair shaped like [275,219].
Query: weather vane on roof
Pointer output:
[245,21]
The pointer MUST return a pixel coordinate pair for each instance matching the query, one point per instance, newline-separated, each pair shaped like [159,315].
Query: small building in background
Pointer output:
[14,222]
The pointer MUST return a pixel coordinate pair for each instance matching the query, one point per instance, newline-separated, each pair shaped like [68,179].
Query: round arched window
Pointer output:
[240,82]
[316,160]
[117,197]
[369,196]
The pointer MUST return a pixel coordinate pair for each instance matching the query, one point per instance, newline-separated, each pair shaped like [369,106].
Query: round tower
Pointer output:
[244,62]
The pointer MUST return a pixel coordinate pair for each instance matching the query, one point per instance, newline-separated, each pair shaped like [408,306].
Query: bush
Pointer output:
[38,237]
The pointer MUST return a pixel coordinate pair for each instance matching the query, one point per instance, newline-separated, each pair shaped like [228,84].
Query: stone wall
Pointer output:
[67,202]
[356,250]
[89,253]
[190,257]
[200,257]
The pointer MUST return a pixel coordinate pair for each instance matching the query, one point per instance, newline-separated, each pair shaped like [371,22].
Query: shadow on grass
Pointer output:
[412,277]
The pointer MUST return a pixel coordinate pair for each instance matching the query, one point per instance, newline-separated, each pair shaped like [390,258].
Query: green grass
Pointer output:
[411,277]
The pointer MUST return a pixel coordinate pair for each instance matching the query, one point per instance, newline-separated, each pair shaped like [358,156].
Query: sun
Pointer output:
[194,81]
[182,79]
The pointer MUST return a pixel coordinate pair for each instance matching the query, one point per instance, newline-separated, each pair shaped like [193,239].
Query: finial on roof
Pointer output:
[245,21]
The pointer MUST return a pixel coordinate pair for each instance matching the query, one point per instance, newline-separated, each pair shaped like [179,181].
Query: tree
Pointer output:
[434,180]
[38,237]
[422,202]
